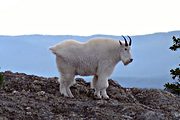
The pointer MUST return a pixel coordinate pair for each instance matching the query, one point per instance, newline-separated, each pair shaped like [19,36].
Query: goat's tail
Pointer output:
[52,49]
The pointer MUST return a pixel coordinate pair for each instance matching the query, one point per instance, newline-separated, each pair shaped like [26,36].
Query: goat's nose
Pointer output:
[131,60]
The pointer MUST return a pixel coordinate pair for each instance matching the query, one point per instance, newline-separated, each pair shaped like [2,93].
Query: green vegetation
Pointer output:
[1,79]
[174,87]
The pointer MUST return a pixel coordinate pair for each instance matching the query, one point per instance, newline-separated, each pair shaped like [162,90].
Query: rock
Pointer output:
[3,118]
[151,115]
[31,97]
[41,93]
[28,113]
[15,92]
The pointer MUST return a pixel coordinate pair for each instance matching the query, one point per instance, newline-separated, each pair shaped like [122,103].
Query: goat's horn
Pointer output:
[130,41]
[126,44]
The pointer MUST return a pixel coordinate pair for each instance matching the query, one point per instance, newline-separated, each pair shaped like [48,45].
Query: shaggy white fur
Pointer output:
[96,57]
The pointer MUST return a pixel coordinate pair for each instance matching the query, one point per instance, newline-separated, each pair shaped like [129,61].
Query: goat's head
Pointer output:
[125,51]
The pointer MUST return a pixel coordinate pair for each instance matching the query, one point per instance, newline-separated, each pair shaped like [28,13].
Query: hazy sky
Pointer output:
[87,17]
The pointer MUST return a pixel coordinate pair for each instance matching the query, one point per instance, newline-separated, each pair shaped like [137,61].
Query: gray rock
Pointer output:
[31,97]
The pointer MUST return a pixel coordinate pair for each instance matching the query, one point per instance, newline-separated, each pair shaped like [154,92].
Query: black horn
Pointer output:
[130,41]
[126,44]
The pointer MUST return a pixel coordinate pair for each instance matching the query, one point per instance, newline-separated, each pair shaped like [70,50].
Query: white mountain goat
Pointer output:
[96,57]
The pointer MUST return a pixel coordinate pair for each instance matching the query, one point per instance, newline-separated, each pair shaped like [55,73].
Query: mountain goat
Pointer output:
[96,57]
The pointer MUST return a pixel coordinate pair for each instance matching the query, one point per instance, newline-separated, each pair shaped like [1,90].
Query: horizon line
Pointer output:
[98,34]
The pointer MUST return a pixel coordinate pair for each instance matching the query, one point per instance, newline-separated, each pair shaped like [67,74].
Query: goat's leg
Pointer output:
[94,82]
[67,80]
[62,87]
[102,85]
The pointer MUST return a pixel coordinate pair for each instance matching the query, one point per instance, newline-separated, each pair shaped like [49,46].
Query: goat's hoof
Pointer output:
[71,96]
[96,97]
[106,97]
[64,95]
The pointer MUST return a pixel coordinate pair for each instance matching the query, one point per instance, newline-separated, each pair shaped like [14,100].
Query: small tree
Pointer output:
[174,87]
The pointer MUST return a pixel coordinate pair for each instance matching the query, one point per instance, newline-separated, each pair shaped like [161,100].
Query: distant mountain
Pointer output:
[150,68]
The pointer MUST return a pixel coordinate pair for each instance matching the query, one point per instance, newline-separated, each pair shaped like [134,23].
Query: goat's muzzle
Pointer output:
[130,60]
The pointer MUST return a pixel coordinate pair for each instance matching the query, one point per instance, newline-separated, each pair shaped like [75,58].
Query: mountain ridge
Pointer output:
[174,31]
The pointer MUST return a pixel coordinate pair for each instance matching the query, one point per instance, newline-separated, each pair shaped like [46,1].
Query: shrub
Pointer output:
[174,87]
[1,79]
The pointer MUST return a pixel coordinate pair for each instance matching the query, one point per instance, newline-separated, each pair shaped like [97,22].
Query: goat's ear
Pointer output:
[120,42]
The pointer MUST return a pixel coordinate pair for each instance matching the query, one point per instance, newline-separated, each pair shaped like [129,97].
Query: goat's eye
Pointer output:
[125,49]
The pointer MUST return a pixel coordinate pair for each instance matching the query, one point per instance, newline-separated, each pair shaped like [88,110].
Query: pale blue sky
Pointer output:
[87,17]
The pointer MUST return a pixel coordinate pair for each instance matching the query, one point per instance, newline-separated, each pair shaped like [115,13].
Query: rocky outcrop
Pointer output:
[29,97]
